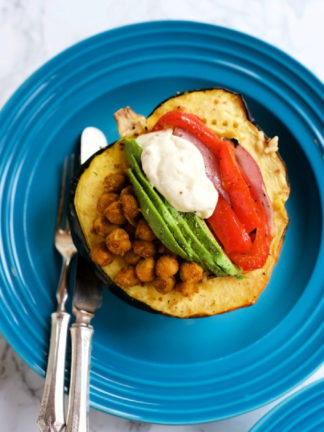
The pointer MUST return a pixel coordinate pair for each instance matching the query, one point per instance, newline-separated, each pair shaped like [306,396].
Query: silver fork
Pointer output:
[51,415]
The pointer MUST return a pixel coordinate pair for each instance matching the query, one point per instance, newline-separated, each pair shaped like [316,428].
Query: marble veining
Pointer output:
[34,31]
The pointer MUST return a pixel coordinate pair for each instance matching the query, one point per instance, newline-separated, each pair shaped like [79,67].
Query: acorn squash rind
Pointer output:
[216,295]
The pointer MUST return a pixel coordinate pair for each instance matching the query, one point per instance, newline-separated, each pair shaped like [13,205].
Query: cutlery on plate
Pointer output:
[87,298]
[51,414]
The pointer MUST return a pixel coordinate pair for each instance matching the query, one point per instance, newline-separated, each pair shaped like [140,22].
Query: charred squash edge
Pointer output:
[77,233]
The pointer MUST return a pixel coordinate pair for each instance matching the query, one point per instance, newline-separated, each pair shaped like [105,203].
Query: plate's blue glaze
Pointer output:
[150,367]
[302,411]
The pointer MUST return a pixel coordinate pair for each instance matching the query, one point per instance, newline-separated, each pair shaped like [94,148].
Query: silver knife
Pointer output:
[87,298]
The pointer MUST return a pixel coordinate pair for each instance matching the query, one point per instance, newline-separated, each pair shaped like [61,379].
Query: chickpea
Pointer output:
[166,266]
[187,288]
[145,269]
[143,231]
[115,182]
[126,277]
[191,271]
[131,258]
[102,227]
[114,213]
[130,208]
[118,242]
[144,249]
[128,190]
[101,255]
[105,199]
[164,286]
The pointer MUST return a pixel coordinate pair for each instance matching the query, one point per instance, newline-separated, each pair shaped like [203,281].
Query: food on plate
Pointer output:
[185,213]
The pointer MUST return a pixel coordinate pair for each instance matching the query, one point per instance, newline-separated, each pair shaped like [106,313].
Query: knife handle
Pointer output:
[51,414]
[78,407]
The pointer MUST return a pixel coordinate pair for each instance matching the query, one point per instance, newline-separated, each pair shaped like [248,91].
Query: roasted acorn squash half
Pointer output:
[226,114]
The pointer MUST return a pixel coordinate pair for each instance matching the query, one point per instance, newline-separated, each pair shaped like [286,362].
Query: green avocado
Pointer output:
[207,260]
[187,235]
[154,218]
[205,237]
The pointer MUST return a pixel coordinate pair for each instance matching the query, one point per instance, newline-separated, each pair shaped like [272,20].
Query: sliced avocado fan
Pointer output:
[150,213]
[185,234]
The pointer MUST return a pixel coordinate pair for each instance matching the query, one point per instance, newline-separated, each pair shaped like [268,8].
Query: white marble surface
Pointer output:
[33,31]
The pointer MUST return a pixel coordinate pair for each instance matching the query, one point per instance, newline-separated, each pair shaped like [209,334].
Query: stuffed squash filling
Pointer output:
[185,206]
[125,233]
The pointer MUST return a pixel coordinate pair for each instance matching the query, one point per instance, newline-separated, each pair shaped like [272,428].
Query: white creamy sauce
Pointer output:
[175,167]
[92,140]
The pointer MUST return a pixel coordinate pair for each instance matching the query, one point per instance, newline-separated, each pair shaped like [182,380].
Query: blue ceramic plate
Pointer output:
[302,411]
[151,367]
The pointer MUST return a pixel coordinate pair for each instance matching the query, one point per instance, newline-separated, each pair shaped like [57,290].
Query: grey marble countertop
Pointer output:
[29,36]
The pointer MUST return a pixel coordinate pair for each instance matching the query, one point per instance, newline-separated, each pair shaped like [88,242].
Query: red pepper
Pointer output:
[233,181]
[230,225]
[192,124]
[236,187]
[257,256]
[228,229]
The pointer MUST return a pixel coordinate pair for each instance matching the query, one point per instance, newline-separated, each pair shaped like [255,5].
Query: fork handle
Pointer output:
[78,407]
[51,414]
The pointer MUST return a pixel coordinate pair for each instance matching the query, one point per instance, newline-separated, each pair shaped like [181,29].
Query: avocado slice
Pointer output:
[204,256]
[208,240]
[154,218]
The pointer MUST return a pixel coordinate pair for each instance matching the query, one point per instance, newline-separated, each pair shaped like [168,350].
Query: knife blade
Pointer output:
[87,295]
[87,299]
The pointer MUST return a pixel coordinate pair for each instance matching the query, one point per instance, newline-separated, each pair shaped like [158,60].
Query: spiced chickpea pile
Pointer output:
[126,233]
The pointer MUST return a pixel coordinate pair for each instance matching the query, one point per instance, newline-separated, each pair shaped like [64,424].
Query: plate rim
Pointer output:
[287,401]
[34,77]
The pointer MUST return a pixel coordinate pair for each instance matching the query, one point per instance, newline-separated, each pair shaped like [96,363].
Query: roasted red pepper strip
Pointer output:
[224,222]
[257,256]
[236,187]
[228,229]
[192,124]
